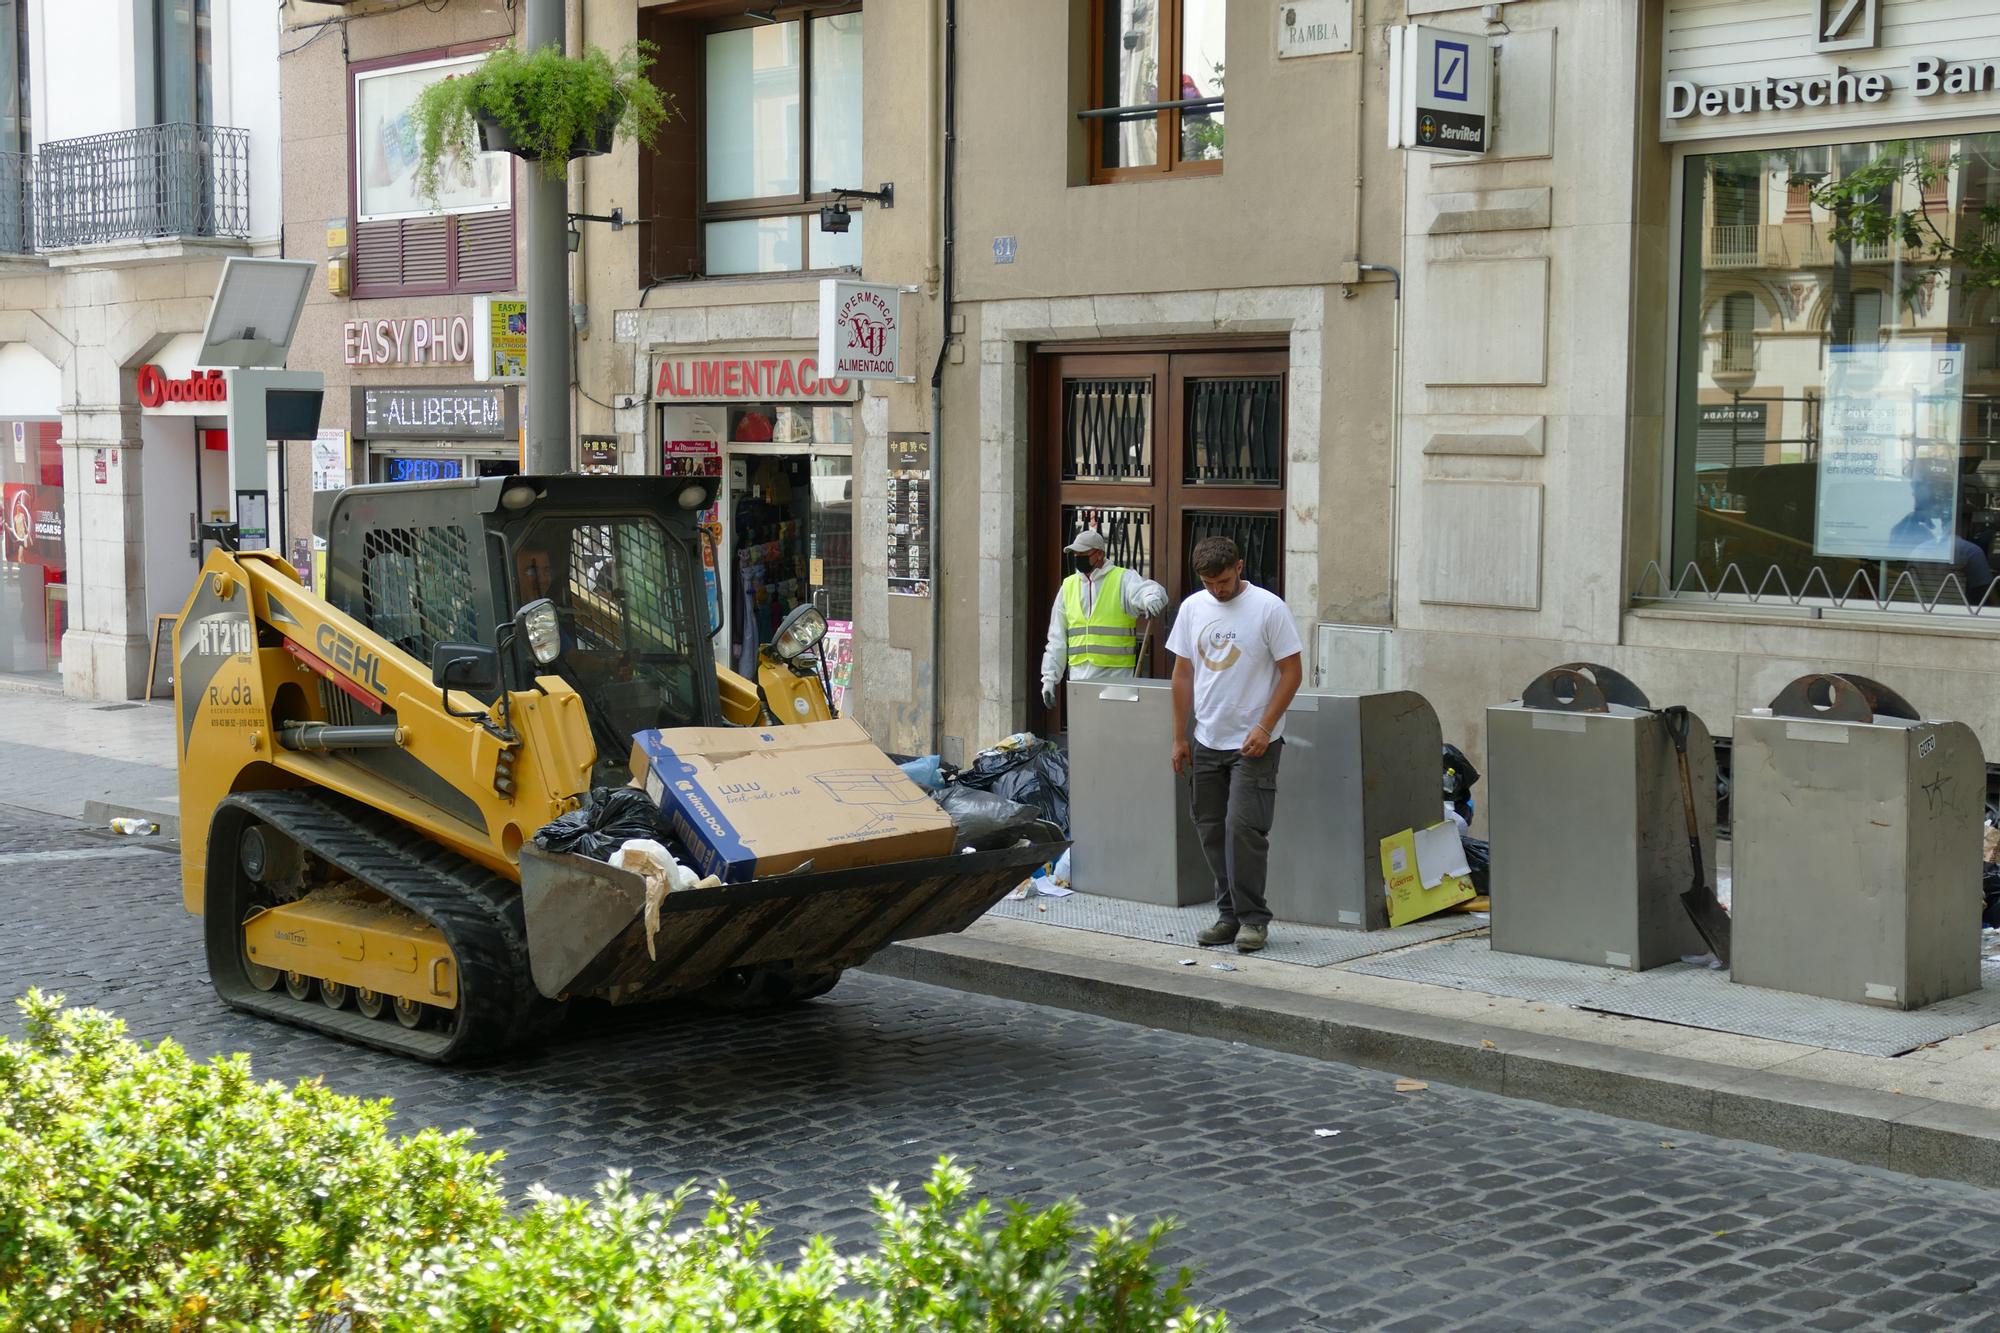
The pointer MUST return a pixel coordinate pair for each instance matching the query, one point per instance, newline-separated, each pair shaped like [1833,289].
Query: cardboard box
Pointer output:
[1417,868]
[749,802]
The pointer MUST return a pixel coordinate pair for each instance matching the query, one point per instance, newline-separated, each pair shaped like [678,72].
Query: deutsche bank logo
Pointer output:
[1451,65]
[1846,25]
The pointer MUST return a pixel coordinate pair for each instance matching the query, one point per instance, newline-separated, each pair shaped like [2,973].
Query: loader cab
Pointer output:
[453,561]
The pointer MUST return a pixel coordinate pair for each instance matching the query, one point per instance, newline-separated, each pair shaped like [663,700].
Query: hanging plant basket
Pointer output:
[495,137]
[540,106]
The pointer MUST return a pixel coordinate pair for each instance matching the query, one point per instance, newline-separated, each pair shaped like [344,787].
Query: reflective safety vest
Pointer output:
[1109,635]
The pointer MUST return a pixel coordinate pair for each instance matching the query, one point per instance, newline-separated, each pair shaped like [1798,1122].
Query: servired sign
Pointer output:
[200,386]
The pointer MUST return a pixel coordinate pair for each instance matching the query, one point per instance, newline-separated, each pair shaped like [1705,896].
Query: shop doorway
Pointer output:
[1155,449]
[787,533]
[34,594]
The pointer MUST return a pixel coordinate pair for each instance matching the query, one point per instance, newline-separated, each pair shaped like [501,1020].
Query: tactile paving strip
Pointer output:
[1696,997]
[1307,946]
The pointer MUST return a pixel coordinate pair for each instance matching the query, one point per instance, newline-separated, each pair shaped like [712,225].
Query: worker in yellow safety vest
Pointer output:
[1094,625]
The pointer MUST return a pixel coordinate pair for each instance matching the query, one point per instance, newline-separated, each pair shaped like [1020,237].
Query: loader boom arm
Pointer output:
[257,656]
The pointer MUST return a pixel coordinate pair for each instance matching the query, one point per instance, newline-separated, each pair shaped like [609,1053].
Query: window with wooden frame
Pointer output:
[403,244]
[773,103]
[1155,88]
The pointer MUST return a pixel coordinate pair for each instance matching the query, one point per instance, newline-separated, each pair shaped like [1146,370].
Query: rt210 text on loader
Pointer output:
[361,774]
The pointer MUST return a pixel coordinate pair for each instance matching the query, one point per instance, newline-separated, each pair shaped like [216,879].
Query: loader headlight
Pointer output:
[800,634]
[537,621]
[692,496]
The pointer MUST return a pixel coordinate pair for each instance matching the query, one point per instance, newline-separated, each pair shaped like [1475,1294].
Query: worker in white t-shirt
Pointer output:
[1237,667]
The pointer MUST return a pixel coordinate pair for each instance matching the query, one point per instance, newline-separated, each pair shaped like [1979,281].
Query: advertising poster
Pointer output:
[329,460]
[33,533]
[909,517]
[1888,453]
[838,648]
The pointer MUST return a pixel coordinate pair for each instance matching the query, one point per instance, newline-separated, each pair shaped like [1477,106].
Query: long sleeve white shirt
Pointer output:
[1142,597]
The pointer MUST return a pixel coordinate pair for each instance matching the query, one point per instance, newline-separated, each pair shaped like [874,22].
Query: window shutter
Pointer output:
[407,252]
[424,252]
[486,251]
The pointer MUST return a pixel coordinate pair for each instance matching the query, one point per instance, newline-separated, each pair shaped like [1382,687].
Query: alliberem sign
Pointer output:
[861,330]
[1440,90]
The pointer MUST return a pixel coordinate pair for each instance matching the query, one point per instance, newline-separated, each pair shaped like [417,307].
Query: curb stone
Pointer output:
[1915,1135]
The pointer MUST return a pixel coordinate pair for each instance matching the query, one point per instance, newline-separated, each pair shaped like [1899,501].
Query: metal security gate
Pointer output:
[1156,450]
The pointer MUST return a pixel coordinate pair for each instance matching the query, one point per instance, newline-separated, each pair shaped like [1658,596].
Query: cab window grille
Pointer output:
[417,588]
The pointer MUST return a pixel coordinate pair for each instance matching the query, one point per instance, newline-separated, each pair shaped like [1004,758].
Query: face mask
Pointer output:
[1083,565]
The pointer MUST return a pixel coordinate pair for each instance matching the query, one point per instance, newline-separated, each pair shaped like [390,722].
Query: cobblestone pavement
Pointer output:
[1431,1209]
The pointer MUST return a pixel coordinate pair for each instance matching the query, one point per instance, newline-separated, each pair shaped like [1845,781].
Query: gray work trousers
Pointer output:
[1233,801]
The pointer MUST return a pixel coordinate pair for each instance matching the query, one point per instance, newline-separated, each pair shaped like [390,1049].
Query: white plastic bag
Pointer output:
[663,875]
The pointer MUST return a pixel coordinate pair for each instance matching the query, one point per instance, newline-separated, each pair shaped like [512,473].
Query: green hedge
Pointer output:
[141,1189]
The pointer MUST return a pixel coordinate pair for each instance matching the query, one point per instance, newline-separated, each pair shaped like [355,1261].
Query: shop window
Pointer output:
[772,129]
[1834,440]
[1156,88]
[402,244]
[416,588]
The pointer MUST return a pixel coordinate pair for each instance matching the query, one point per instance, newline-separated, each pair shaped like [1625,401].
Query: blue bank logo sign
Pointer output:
[1441,87]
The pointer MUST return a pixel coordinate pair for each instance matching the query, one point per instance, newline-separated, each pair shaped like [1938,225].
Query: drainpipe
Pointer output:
[1395,448]
[937,371]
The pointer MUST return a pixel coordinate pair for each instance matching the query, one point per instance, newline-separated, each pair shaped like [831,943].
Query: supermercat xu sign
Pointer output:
[1927,77]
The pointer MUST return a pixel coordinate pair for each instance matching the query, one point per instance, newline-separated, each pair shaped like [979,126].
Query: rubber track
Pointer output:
[477,911]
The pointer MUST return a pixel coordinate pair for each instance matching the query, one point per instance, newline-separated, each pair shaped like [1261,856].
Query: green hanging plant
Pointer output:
[542,106]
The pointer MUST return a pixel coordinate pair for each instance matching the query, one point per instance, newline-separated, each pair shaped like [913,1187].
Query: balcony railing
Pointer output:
[17,204]
[159,181]
[1737,245]
[1735,352]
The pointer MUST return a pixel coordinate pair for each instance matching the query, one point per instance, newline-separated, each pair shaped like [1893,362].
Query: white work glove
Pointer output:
[1048,694]
[1156,604]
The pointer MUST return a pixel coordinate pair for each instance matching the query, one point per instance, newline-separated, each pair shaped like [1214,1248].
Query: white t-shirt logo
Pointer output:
[1219,651]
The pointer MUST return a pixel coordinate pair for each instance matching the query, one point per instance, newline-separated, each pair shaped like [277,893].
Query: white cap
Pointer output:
[1090,539]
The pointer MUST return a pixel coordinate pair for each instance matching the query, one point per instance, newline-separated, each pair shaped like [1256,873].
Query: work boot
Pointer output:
[1221,932]
[1251,938]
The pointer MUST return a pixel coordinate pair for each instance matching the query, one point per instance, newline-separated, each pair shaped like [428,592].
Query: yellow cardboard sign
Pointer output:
[1409,900]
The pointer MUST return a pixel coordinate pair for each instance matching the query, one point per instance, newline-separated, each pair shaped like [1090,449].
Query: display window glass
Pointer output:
[1838,374]
[34,606]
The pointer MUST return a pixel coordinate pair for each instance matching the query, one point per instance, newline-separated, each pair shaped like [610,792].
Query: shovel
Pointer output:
[1700,900]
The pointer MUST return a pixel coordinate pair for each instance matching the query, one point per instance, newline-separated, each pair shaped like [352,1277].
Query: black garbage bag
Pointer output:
[1035,775]
[986,822]
[608,817]
[1990,885]
[1459,779]
[1480,858]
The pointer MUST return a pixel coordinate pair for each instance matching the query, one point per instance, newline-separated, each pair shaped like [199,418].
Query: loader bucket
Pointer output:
[588,934]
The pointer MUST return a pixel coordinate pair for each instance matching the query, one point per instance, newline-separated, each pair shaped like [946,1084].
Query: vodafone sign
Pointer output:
[201,387]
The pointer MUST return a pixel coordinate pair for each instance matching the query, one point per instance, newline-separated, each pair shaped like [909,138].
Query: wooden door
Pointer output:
[1156,450]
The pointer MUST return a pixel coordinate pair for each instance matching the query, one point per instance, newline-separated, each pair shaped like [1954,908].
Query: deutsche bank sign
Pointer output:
[1440,90]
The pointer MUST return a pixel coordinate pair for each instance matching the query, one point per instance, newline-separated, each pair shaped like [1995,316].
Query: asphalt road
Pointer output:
[1435,1208]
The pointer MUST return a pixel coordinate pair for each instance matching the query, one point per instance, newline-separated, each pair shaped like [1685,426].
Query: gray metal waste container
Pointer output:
[1129,828]
[1357,768]
[1856,842]
[1587,826]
